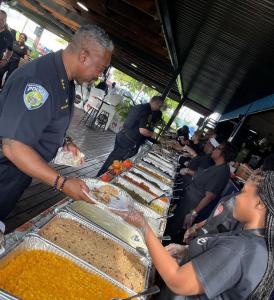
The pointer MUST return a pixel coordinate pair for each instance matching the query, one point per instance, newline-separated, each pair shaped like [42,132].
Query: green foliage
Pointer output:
[133,85]
[123,108]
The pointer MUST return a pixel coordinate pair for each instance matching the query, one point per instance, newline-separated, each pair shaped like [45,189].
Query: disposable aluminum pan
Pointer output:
[6,296]
[159,165]
[164,187]
[152,216]
[35,242]
[166,162]
[153,189]
[63,214]
[165,178]
[110,223]
[147,197]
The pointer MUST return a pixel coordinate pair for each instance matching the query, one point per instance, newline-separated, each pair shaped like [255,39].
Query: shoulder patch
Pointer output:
[35,95]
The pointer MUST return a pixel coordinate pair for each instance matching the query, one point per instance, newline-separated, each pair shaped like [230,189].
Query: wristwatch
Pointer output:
[194,212]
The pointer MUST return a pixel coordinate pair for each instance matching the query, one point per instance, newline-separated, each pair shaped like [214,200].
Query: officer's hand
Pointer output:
[74,188]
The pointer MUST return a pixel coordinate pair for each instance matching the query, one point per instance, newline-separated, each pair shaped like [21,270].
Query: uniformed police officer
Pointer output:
[36,107]
[137,128]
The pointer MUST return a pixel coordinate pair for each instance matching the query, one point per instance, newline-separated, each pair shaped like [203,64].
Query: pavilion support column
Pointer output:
[174,115]
[170,83]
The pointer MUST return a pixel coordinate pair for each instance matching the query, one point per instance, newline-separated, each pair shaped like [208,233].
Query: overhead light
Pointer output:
[153,87]
[82,6]
[133,65]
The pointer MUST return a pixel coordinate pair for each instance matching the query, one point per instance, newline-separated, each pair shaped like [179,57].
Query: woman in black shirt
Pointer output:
[230,266]
[20,50]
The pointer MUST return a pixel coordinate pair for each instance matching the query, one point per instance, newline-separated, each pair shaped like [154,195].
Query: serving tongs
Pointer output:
[148,292]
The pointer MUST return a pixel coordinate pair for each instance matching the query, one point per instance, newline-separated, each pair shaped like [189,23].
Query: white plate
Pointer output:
[120,203]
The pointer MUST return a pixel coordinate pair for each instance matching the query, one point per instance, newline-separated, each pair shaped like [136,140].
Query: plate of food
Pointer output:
[108,195]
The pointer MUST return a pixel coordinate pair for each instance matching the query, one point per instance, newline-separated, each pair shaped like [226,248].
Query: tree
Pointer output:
[136,87]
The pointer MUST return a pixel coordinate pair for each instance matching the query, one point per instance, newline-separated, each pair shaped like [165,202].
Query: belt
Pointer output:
[129,137]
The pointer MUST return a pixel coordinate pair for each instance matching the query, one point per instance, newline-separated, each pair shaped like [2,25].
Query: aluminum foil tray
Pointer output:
[165,178]
[143,194]
[109,222]
[152,216]
[164,187]
[35,242]
[63,214]
[6,296]
[159,165]
[153,189]
[168,163]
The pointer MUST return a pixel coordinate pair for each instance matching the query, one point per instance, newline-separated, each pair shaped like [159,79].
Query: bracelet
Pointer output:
[193,212]
[63,184]
[55,187]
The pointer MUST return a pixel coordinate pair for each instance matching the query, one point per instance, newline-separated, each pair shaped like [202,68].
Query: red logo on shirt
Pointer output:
[219,210]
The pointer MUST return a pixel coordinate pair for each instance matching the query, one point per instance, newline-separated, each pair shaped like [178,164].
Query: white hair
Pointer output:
[93,32]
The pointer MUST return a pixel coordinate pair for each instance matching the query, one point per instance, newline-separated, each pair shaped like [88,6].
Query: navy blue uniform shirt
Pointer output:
[36,105]
[140,116]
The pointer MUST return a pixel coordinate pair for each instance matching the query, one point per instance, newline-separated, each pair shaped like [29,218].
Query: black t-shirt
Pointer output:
[19,51]
[229,265]
[6,42]
[140,116]
[36,105]
[201,162]
[213,179]
[198,148]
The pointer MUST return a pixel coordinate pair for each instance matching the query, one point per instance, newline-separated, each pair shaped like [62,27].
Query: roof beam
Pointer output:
[147,6]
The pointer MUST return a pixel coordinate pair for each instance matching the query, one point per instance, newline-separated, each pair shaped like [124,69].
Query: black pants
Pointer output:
[123,149]
[13,182]
[187,202]
[10,67]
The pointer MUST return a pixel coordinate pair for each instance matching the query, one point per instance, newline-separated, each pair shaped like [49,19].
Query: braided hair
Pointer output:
[265,190]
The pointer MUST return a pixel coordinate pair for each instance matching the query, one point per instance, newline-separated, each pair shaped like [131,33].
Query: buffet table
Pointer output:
[85,248]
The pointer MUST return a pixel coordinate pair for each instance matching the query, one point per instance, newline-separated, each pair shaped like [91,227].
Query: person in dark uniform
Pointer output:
[205,187]
[137,128]
[183,135]
[20,50]
[6,40]
[221,218]
[191,168]
[36,107]
[225,266]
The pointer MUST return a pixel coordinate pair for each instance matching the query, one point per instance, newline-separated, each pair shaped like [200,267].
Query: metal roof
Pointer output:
[225,49]
[133,25]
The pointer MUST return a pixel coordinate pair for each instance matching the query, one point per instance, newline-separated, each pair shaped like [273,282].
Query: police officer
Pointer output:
[137,128]
[36,107]
[6,40]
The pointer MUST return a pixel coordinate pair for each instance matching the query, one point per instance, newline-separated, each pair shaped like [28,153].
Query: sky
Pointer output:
[21,23]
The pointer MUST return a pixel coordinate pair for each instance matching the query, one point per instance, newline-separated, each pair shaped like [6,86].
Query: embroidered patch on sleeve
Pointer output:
[35,96]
